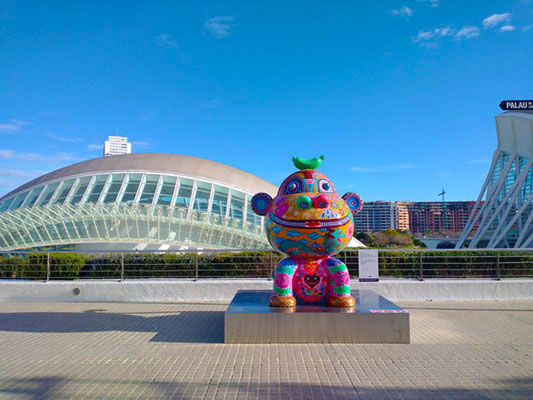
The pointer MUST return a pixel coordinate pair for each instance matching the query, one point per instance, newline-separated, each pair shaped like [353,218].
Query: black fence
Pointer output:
[199,264]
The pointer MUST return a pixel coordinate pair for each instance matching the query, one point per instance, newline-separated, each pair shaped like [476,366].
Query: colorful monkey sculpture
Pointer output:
[309,222]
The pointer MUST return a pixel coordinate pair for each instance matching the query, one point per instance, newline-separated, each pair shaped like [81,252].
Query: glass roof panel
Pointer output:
[184,194]
[34,195]
[47,194]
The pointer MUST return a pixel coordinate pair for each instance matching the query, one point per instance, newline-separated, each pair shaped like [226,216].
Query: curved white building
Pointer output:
[136,201]
[505,219]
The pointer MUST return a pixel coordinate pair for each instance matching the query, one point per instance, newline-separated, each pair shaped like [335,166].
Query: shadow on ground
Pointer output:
[183,327]
[53,387]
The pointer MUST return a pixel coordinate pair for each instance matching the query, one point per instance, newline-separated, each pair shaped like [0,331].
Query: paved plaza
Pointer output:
[128,350]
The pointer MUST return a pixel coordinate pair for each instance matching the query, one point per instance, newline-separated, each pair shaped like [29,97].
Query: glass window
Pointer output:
[150,186]
[113,188]
[6,204]
[96,190]
[132,185]
[64,190]
[252,217]
[83,183]
[167,190]
[48,193]
[33,196]
[18,200]
[185,192]
[203,192]
[237,204]
[220,200]
[522,161]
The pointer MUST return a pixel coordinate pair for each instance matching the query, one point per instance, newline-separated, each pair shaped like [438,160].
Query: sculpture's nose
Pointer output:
[321,201]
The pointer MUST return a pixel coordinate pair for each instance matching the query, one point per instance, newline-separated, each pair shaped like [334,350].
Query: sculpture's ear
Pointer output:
[355,203]
[261,203]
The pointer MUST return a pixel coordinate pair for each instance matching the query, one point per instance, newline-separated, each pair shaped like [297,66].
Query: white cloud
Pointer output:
[8,154]
[19,173]
[166,40]
[527,28]
[12,178]
[92,147]
[383,168]
[141,144]
[219,27]
[54,136]
[364,169]
[424,37]
[431,3]
[496,19]
[507,28]
[468,32]
[402,12]
[14,125]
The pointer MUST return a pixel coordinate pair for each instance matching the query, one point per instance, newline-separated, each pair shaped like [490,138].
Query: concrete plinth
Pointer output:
[374,319]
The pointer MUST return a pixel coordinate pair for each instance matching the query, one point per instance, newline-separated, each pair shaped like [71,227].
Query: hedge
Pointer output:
[404,264]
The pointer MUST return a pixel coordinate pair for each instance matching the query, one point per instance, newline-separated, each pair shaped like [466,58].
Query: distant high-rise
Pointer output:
[403,215]
[376,216]
[116,145]
[426,216]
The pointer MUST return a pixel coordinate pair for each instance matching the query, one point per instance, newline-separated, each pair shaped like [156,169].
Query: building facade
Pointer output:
[116,145]
[402,215]
[138,201]
[427,216]
[376,216]
[503,210]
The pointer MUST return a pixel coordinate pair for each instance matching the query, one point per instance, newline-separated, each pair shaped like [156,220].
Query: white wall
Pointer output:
[223,290]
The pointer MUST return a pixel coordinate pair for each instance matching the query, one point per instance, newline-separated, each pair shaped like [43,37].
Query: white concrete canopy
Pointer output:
[502,216]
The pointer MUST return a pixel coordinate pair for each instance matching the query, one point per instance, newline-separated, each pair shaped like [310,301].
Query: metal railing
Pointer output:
[241,263]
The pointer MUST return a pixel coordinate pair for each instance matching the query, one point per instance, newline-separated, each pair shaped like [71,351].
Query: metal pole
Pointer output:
[421,278]
[498,272]
[271,266]
[47,267]
[121,266]
[196,268]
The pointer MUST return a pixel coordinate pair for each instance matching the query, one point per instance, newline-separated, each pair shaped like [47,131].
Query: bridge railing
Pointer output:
[417,264]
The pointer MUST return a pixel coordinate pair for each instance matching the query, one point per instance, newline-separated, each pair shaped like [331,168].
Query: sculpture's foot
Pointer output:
[340,301]
[282,301]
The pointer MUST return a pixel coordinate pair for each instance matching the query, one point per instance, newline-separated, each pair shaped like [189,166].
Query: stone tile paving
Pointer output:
[160,351]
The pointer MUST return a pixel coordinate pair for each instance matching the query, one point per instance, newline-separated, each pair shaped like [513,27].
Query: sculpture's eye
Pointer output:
[324,186]
[303,202]
[293,186]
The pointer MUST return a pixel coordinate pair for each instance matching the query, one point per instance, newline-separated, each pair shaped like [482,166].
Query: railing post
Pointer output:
[498,272]
[196,268]
[421,277]
[271,266]
[121,267]
[47,267]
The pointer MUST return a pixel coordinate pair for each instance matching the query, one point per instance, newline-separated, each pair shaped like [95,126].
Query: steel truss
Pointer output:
[505,217]
[128,223]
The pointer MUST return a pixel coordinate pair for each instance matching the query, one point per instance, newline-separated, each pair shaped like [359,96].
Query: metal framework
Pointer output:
[125,223]
[505,218]
[130,207]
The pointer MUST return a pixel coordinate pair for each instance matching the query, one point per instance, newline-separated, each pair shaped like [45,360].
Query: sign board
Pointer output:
[368,266]
[516,105]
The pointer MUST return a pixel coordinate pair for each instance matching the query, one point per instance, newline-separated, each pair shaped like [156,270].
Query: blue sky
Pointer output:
[400,96]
